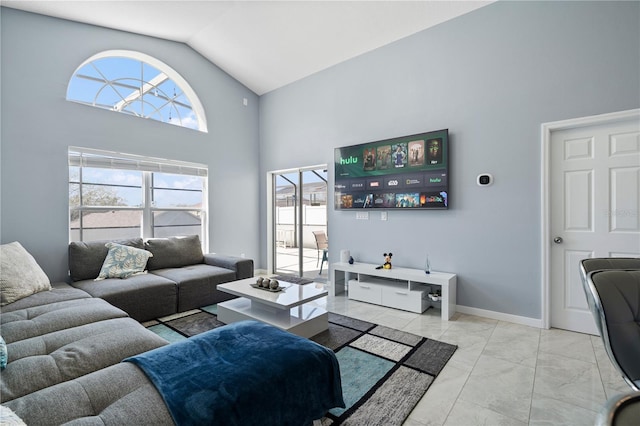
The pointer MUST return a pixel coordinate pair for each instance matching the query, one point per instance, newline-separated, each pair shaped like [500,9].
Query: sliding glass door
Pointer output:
[300,222]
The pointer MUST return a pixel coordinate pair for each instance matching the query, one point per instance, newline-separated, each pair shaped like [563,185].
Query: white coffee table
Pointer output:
[288,309]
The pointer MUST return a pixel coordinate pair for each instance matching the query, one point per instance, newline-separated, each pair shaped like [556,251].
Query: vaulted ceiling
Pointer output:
[263,44]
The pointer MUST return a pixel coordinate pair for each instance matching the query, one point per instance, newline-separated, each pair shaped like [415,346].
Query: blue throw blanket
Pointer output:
[246,373]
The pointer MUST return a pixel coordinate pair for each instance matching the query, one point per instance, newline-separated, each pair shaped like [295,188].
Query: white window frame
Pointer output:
[196,105]
[87,157]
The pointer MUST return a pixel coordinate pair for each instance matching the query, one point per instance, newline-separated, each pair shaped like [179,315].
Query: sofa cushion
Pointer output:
[72,353]
[197,284]
[242,267]
[174,252]
[123,261]
[39,320]
[117,395]
[86,258]
[20,275]
[59,293]
[143,297]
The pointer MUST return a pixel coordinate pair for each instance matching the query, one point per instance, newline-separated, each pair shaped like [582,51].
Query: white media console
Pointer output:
[400,288]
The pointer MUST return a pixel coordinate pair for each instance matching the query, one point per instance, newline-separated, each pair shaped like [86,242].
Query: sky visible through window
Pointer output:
[134,87]
[126,185]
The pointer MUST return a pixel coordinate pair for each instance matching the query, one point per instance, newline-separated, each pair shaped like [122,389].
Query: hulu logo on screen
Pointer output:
[350,160]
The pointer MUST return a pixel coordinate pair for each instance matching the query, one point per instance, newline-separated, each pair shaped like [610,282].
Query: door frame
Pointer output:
[270,209]
[546,237]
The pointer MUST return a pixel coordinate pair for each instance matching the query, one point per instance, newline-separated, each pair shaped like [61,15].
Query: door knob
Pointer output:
[557,240]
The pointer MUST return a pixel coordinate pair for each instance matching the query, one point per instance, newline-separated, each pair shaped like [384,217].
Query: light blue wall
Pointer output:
[39,55]
[492,77]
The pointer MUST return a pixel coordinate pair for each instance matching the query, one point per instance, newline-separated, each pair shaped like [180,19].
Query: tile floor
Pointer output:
[503,373]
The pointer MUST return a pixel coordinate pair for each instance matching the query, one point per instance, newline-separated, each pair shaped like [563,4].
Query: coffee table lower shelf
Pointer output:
[305,320]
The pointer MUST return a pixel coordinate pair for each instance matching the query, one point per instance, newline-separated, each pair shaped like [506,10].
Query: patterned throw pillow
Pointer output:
[123,261]
[3,354]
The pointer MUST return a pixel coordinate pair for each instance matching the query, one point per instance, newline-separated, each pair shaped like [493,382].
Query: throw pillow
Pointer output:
[20,274]
[174,252]
[123,261]
[9,418]
[4,356]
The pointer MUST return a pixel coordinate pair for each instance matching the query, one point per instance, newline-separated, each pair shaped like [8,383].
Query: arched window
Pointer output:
[136,84]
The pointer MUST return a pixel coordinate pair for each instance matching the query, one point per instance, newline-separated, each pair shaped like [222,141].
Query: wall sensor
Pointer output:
[485,179]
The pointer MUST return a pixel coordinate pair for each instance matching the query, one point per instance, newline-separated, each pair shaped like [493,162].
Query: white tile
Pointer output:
[427,326]
[500,386]
[466,413]
[547,412]
[567,344]
[514,343]
[569,380]
[470,345]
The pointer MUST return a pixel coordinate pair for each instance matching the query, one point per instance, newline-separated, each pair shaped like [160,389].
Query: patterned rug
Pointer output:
[385,372]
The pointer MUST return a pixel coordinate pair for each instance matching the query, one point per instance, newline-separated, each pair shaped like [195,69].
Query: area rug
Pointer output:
[384,372]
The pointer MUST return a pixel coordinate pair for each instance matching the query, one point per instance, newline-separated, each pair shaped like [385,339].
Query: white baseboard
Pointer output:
[257,272]
[531,322]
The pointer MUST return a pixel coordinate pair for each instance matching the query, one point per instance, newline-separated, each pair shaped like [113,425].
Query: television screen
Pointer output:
[408,172]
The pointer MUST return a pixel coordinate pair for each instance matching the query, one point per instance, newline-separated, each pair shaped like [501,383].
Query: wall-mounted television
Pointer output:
[407,172]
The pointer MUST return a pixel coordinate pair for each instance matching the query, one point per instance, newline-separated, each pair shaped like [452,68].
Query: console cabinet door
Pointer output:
[365,292]
[407,300]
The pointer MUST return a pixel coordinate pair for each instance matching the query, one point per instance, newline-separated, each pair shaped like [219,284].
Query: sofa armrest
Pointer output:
[241,266]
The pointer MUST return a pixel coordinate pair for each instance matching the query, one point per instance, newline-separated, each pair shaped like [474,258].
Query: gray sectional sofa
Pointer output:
[65,345]
[180,277]
[64,365]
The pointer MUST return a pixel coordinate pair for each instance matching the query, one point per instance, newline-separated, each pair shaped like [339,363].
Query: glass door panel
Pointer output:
[285,200]
[300,220]
[313,221]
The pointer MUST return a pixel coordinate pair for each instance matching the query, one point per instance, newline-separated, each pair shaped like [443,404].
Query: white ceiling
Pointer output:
[263,44]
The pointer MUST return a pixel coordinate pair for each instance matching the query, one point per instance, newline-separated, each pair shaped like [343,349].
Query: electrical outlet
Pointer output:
[383,215]
[362,215]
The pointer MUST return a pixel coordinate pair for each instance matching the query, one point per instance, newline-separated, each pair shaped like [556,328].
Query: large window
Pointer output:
[114,195]
[136,84]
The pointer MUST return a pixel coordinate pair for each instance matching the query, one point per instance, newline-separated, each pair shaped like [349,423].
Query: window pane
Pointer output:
[116,224]
[74,195]
[170,190]
[176,223]
[74,174]
[112,177]
[177,198]
[110,196]
[171,181]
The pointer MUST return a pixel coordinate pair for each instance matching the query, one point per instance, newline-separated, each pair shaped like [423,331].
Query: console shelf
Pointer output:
[400,288]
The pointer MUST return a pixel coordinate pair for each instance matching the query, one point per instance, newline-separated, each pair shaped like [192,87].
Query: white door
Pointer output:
[594,209]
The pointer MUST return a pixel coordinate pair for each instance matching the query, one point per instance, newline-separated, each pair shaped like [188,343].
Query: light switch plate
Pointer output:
[362,215]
